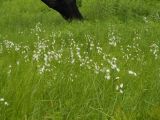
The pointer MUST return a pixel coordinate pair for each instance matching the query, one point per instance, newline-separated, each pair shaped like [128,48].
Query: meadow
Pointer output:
[106,67]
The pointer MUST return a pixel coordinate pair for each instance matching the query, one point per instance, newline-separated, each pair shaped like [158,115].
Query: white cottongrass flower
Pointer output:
[99,50]
[114,39]
[17,62]
[17,47]
[117,78]
[8,44]
[42,69]
[145,19]
[107,76]
[36,57]
[10,69]
[121,91]
[72,56]
[6,103]
[121,85]
[1,99]
[120,88]
[113,63]
[154,48]
[130,72]
[97,69]
[91,45]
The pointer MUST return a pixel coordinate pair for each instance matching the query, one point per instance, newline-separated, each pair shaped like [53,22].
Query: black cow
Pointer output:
[67,8]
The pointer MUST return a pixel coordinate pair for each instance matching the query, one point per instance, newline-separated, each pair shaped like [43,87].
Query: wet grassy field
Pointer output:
[106,67]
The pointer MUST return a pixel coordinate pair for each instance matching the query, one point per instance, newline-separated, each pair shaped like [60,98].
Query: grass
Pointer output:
[104,68]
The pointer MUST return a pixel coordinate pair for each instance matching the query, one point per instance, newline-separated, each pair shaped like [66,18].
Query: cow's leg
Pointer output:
[73,11]
[69,10]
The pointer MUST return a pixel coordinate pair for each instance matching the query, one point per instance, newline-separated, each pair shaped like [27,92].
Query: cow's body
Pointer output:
[67,8]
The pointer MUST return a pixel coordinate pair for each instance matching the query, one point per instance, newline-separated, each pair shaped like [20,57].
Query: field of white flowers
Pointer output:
[104,68]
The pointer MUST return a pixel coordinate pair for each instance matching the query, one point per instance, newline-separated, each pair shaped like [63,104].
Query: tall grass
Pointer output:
[104,68]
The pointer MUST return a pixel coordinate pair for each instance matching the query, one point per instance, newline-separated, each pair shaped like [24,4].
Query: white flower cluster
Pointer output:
[120,88]
[47,53]
[132,51]
[114,38]
[90,42]
[154,49]
[113,63]
[4,102]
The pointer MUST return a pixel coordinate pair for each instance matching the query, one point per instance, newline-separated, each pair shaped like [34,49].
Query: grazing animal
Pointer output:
[67,8]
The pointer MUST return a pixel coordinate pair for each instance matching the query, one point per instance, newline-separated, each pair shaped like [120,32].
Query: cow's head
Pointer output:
[67,8]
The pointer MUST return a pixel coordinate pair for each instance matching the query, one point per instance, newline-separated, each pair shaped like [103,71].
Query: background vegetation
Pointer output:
[104,68]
